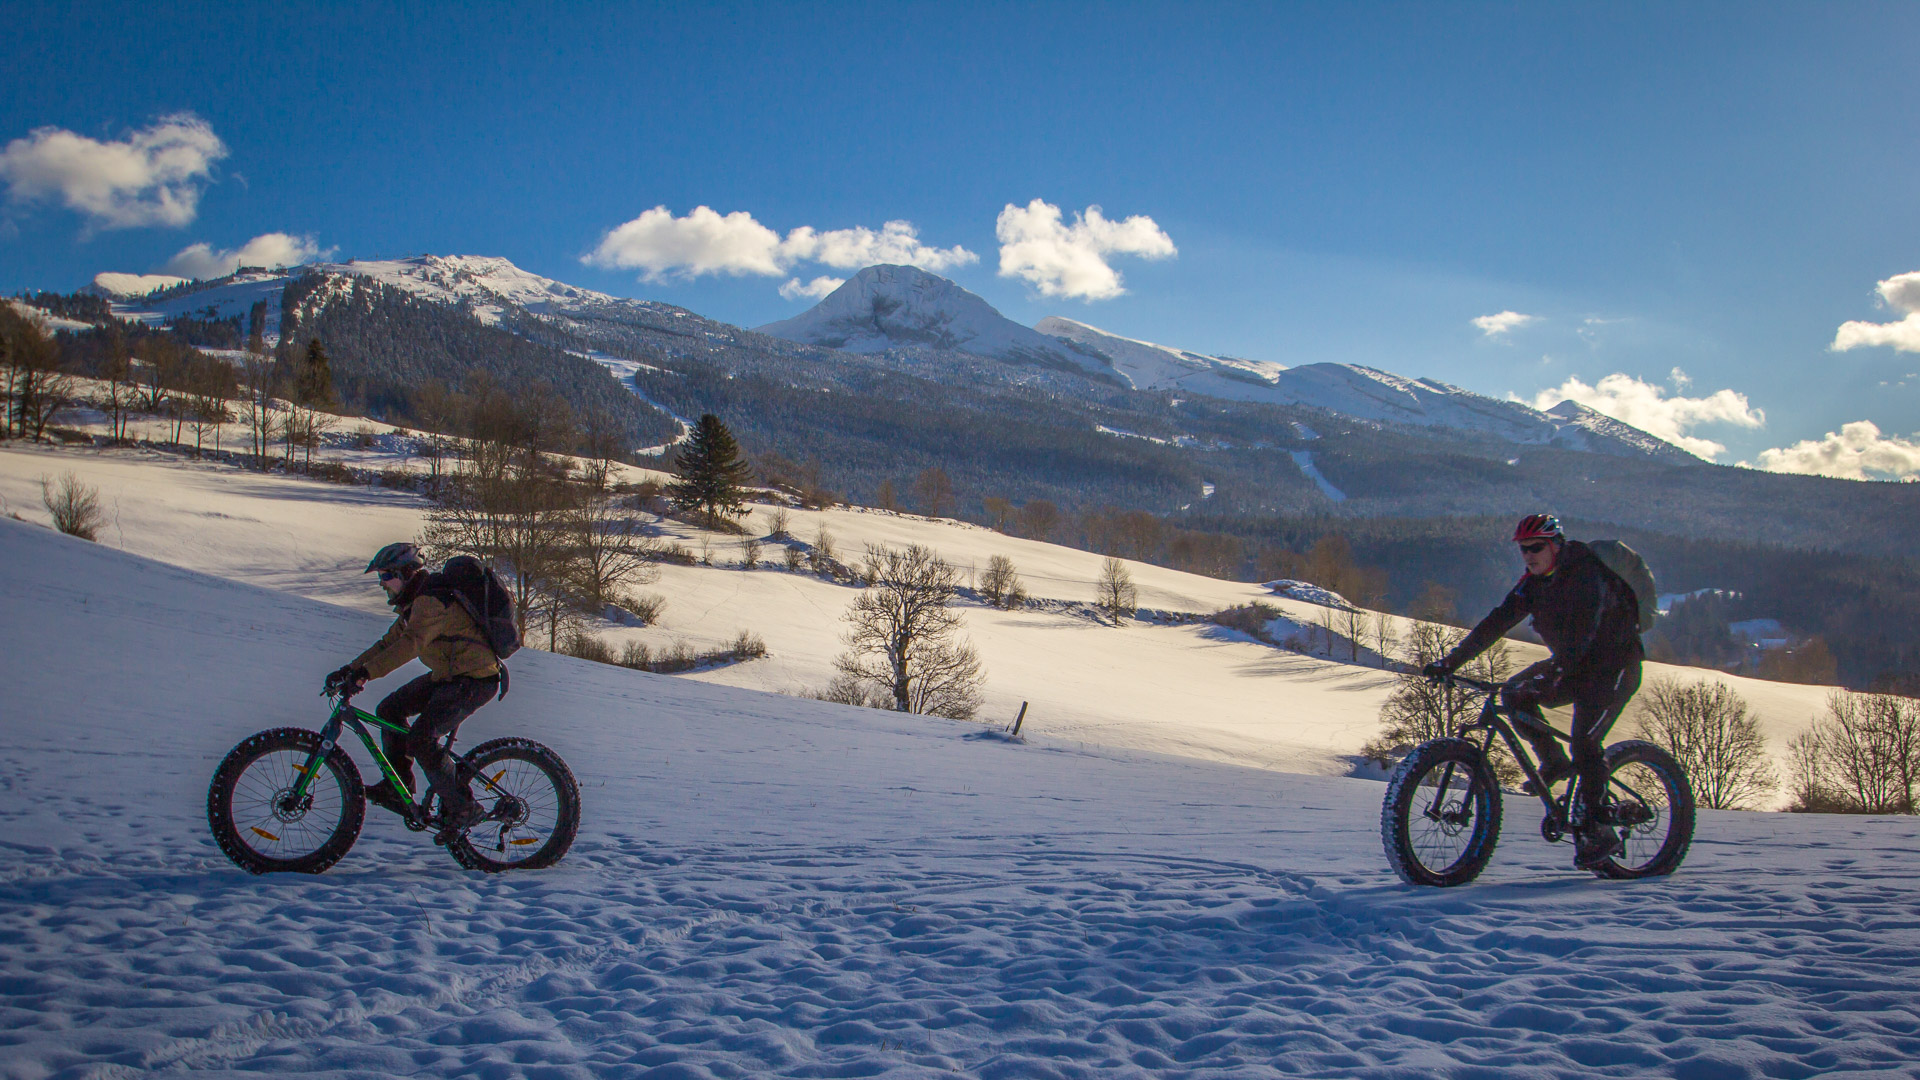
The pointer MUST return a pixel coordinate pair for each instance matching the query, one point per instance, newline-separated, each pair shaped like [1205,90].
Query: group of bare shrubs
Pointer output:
[74,505]
[677,657]
[1000,584]
[1861,757]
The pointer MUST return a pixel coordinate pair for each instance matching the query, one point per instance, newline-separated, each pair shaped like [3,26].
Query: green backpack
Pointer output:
[1627,565]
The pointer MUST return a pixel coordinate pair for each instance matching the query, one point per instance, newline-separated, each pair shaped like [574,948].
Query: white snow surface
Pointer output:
[1146,366]
[771,887]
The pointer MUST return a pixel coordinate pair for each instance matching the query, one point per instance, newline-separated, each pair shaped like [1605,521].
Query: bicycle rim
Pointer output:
[533,805]
[270,822]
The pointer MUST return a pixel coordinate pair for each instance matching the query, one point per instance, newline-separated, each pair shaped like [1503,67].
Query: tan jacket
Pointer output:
[441,634]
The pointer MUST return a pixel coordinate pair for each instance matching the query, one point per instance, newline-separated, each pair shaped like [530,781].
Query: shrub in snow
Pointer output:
[75,506]
[1000,584]
[1250,619]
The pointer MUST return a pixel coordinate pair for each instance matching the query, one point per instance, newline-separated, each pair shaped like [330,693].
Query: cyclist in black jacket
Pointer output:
[1589,619]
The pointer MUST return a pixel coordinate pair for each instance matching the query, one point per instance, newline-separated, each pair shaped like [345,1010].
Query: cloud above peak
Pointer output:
[1499,325]
[154,176]
[1071,260]
[1646,406]
[1900,292]
[1858,451]
[664,247]
[268,250]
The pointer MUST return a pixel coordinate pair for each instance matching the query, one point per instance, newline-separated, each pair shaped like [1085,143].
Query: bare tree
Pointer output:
[1114,592]
[1707,728]
[610,546]
[903,637]
[508,506]
[1863,756]
[259,380]
[933,489]
[1419,710]
[1038,519]
[999,512]
[75,506]
[34,383]
[210,385]
[1385,637]
[1353,626]
[1001,584]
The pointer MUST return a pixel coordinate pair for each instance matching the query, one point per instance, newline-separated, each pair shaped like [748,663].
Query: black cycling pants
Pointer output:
[440,706]
[1597,704]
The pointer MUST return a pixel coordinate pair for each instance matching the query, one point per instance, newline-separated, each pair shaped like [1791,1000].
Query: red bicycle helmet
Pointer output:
[1538,527]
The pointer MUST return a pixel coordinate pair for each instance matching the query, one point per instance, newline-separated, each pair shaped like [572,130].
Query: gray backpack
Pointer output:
[1627,565]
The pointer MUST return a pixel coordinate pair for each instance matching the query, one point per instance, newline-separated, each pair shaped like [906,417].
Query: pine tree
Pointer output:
[712,474]
[313,385]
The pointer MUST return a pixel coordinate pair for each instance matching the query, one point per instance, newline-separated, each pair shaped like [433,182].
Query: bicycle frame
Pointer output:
[345,715]
[1495,719]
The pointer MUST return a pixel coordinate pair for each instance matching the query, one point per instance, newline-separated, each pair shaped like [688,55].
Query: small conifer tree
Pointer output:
[711,473]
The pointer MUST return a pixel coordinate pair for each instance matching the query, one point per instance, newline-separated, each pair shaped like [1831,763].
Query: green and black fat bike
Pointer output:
[1442,814]
[290,799]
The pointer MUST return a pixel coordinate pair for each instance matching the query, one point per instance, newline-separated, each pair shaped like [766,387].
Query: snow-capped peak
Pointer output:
[894,307]
[1147,366]
[487,282]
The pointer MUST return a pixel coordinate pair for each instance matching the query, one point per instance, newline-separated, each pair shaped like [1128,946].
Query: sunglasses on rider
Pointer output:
[391,575]
[1536,547]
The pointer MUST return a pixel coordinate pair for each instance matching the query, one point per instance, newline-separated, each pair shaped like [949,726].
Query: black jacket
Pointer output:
[1582,610]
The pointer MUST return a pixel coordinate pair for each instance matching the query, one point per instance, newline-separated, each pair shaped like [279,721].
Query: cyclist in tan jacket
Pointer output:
[462,675]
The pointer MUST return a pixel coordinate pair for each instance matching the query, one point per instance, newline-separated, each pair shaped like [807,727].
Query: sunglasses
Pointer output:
[391,575]
[1536,547]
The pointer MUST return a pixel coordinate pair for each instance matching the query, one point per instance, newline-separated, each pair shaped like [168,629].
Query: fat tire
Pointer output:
[566,811]
[226,778]
[1398,810]
[1678,790]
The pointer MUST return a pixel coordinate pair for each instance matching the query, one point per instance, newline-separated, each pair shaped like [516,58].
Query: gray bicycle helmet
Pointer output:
[397,557]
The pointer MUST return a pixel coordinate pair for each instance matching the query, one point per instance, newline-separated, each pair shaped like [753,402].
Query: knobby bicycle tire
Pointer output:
[1441,836]
[536,802]
[1663,794]
[259,829]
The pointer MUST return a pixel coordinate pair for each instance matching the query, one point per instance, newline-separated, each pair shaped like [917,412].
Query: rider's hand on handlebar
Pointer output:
[1435,672]
[346,680]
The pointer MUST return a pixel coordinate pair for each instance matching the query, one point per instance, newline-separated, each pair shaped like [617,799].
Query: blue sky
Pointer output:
[1689,199]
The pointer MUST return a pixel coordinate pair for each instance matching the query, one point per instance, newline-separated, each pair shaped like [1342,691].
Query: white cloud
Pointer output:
[812,290]
[1498,325]
[1071,260]
[1857,452]
[153,177]
[266,250]
[1900,292]
[851,249]
[1680,379]
[1646,406]
[707,242]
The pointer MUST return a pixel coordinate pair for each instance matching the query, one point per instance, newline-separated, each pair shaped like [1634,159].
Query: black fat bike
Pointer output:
[1441,819]
[290,799]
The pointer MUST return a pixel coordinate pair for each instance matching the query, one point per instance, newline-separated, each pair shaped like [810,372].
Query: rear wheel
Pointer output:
[1650,804]
[1441,818]
[263,826]
[533,805]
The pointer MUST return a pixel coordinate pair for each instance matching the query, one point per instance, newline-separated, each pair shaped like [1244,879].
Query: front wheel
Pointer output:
[1441,818]
[1650,803]
[259,821]
[533,808]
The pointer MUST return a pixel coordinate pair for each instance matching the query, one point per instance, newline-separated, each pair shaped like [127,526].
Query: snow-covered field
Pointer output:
[1195,689]
[768,886]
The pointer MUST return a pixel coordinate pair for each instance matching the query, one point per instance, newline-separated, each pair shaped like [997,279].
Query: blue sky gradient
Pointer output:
[1709,187]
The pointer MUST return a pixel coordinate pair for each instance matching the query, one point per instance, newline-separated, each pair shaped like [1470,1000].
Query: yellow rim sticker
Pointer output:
[264,833]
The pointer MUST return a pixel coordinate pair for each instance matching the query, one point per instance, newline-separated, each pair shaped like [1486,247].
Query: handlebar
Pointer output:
[1457,679]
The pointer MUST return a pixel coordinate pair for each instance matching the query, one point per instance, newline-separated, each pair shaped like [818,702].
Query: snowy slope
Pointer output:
[1189,689]
[898,307]
[772,887]
[1146,366]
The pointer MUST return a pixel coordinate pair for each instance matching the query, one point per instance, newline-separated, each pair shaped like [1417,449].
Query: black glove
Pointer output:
[1435,672]
[348,679]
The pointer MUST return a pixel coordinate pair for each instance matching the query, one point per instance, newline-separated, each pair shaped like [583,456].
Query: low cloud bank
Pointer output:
[1645,405]
[154,176]
[665,247]
[1858,451]
[268,250]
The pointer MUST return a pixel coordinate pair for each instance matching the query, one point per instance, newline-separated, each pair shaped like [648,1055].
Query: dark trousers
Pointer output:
[1597,703]
[440,706]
